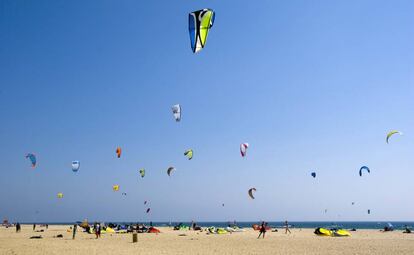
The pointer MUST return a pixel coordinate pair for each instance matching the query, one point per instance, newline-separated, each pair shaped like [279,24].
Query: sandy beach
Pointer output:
[170,242]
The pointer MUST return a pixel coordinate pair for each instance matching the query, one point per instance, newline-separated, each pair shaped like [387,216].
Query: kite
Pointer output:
[189,154]
[251,192]
[392,133]
[75,166]
[59,195]
[145,202]
[363,168]
[115,187]
[369,211]
[32,159]
[176,109]
[243,149]
[148,210]
[199,24]
[142,172]
[169,170]
[118,152]
[313,174]
[124,194]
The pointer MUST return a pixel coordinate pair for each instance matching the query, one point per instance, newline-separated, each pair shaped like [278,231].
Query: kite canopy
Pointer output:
[313,174]
[59,195]
[148,210]
[176,109]
[142,172]
[32,159]
[392,133]
[199,24]
[189,154]
[364,168]
[169,170]
[115,187]
[75,166]
[145,202]
[118,152]
[369,211]
[243,149]
[251,192]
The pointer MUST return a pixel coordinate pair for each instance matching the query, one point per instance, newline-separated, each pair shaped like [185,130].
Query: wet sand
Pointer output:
[169,242]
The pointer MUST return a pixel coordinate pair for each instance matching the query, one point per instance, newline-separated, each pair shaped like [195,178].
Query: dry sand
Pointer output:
[169,242]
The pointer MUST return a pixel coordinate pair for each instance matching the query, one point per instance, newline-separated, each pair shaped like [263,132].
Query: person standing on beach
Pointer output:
[95,228]
[18,228]
[262,230]
[287,227]
[74,231]
[98,230]
[34,227]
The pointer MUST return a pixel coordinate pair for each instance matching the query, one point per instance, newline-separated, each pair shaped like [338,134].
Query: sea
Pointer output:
[274,224]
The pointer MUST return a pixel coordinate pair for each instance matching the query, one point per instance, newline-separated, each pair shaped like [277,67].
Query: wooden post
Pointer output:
[134,237]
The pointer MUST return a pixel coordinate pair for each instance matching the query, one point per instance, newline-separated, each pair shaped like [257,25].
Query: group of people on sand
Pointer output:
[263,229]
[19,227]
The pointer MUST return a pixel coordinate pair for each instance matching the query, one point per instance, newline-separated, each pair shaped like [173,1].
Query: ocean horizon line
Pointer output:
[248,224]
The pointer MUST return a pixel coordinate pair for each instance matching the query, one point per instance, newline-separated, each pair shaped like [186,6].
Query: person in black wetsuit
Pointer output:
[262,230]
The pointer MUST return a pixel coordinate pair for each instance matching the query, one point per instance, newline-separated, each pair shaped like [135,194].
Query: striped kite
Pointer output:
[199,24]
[392,133]
[251,192]
[243,149]
[189,154]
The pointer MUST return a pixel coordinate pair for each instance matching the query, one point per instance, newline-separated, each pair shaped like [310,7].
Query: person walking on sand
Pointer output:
[262,230]
[287,227]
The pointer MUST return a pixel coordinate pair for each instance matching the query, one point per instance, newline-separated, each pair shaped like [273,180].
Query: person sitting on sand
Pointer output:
[262,230]
[287,227]
[407,230]
[178,227]
[389,227]
[193,225]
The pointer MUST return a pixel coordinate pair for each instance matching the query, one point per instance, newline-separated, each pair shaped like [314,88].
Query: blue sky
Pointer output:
[310,85]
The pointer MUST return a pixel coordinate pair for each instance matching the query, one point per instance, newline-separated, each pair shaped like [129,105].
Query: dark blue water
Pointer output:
[293,224]
[307,224]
